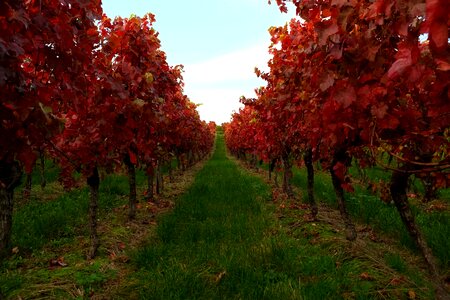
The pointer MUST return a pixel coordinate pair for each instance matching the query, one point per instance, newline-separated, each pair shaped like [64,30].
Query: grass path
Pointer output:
[225,234]
[213,242]
[225,239]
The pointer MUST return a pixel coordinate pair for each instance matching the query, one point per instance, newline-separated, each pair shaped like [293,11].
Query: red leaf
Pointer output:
[327,81]
[389,122]
[324,33]
[437,18]
[347,187]
[340,170]
[28,158]
[442,65]
[439,35]
[345,95]
[372,52]
[19,15]
[403,61]
[133,157]
[336,52]
[379,111]
[92,32]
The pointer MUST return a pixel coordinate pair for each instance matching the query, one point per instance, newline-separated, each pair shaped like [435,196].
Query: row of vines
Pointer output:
[355,82]
[92,94]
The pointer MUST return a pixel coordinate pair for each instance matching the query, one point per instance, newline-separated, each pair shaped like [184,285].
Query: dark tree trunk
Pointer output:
[270,174]
[10,175]
[42,169]
[159,179]
[272,164]
[170,170]
[178,162]
[6,210]
[132,198]
[275,180]
[26,193]
[190,158]
[287,176]
[197,157]
[350,231]
[93,182]
[398,188]
[182,162]
[254,161]
[158,182]
[150,180]
[308,158]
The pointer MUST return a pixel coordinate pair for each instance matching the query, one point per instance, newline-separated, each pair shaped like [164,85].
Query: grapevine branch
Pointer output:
[433,167]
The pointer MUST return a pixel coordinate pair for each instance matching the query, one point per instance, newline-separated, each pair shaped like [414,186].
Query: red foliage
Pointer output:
[44,46]
[135,109]
[356,76]
[95,93]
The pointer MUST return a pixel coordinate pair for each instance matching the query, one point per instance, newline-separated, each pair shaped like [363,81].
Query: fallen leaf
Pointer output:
[373,237]
[59,262]
[366,276]
[123,259]
[396,280]
[411,294]
[219,276]
[314,241]
[436,207]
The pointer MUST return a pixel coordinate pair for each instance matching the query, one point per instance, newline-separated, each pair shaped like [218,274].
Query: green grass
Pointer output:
[79,278]
[56,224]
[39,223]
[223,241]
[367,208]
[51,224]
[51,172]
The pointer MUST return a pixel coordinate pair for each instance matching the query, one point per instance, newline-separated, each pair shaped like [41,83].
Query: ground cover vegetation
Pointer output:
[232,236]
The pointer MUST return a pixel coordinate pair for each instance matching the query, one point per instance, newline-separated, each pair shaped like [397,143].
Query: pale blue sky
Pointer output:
[218,42]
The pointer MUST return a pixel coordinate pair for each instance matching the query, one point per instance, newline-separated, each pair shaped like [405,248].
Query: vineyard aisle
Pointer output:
[227,239]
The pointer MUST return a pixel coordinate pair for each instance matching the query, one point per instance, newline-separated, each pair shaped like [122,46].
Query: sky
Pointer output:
[219,43]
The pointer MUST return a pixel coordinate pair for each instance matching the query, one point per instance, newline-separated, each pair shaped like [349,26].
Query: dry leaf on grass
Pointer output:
[56,263]
[366,276]
[411,294]
[219,276]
